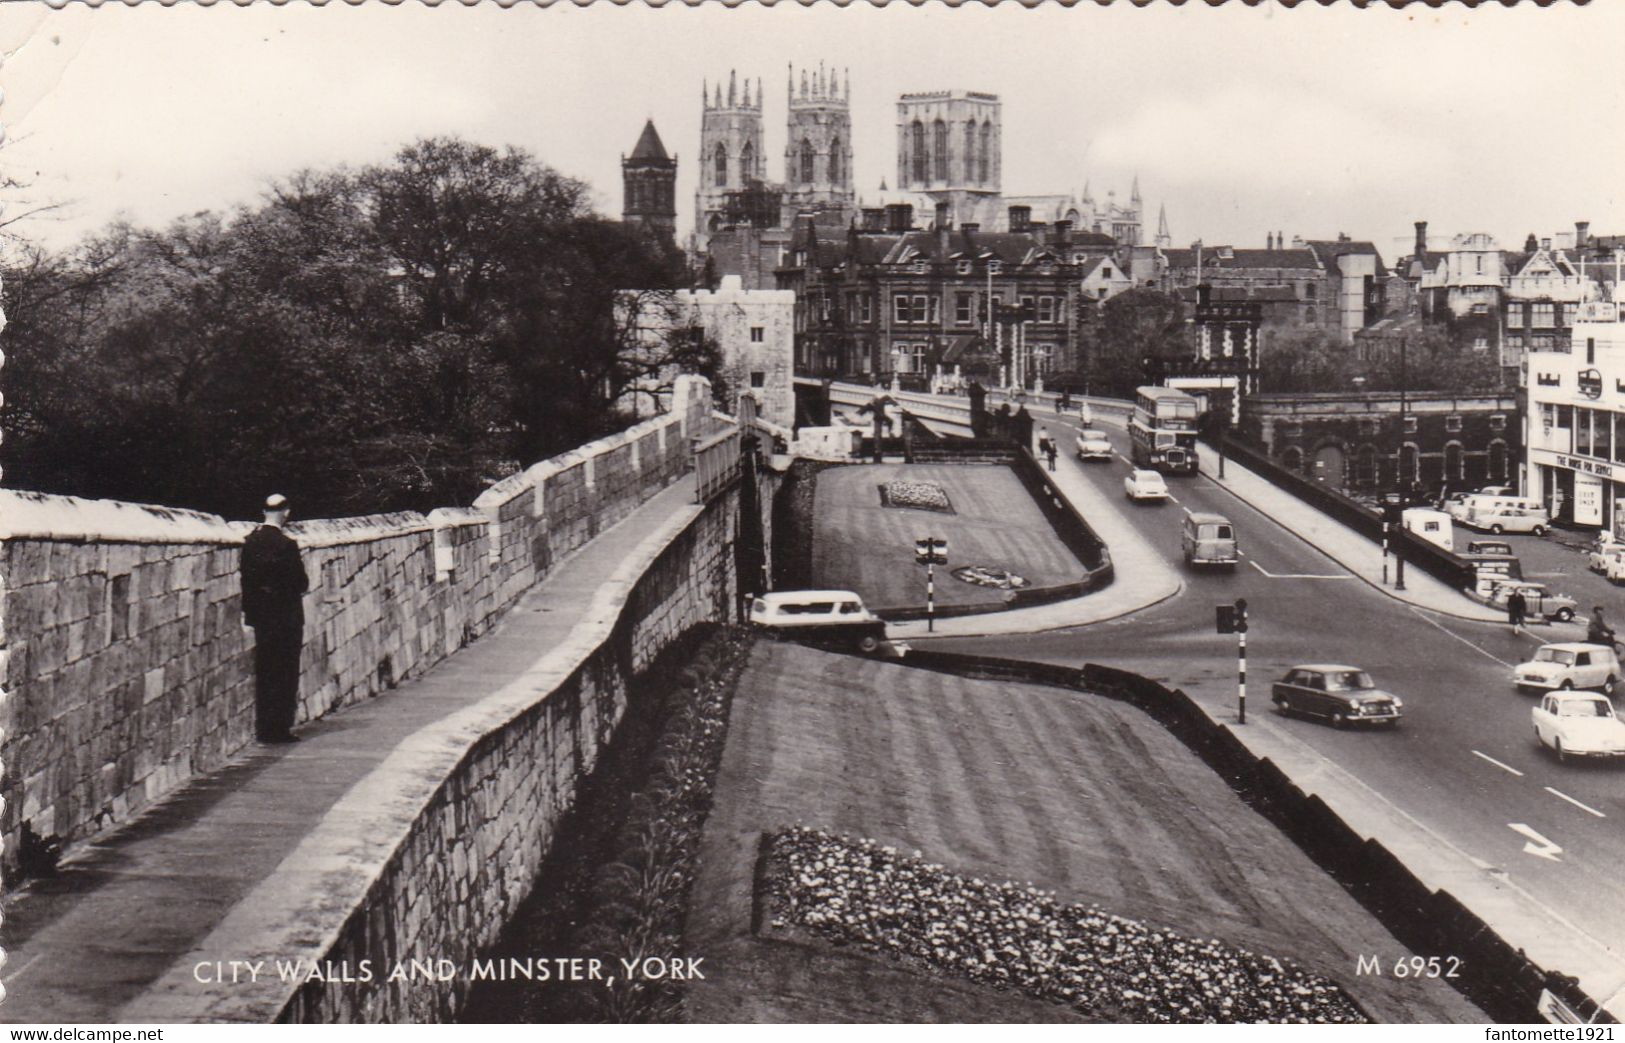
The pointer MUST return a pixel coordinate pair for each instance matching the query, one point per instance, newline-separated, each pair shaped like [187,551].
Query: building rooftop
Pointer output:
[649,145]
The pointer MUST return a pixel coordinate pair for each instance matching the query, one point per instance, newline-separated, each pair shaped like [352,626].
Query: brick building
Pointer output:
[887,298]
[1363,442]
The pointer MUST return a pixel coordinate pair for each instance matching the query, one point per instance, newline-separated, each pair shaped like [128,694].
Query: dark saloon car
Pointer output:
[1343,695]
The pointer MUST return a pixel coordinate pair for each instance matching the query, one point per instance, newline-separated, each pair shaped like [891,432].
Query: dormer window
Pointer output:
[995,267]
[919,267]
[963,267]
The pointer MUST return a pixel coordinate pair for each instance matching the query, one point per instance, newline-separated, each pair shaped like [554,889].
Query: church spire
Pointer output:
[1134,196]
[730,88]
[1164,240]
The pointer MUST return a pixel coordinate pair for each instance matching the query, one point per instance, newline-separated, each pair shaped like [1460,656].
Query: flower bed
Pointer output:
[1009,936]
[916,495]
[990,576]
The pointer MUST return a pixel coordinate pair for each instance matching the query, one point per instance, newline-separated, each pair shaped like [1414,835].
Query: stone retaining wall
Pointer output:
[123,651]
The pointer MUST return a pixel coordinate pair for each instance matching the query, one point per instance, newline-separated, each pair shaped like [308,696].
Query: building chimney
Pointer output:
[970,228]
[1582,234]
[1421,238]
[899,217]
[874,219]
[1546,243]
[944,226]
[1020,218]
[1062,234]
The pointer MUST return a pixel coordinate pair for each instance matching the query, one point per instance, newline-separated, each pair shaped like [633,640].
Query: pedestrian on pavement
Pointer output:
[1517,606]
[274,583]
[1598,632]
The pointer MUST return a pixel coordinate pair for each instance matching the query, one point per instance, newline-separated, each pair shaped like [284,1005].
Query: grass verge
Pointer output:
[616,883]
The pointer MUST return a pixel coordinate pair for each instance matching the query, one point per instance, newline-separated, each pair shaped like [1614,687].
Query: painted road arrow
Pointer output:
[1538,845]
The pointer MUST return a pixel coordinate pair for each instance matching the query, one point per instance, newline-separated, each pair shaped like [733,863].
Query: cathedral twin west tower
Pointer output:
[948,151]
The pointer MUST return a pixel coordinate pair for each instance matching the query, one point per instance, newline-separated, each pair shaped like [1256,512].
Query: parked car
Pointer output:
[1209,539]
[1578,724]
[1455,505]
[830,617]
[1093,444]
[1568,665]
[1497,490]
[1490,548]
[1343,695]
[1498,514]
[1145,485]
[1540,602]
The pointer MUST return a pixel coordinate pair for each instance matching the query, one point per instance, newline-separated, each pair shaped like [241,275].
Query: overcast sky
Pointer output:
[1309,121]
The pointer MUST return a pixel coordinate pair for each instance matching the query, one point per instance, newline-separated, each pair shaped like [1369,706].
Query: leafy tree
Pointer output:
[1304,358]
[396,337]
[1137,329]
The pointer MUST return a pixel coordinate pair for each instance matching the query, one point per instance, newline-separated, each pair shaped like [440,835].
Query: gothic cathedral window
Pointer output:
[722,164]
[970,151]
[835,161]
[982,164]
[747,163]
[918,151]
[940,136]
[806,162]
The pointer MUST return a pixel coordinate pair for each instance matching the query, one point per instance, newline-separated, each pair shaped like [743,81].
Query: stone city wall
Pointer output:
[128,667]
[465,850]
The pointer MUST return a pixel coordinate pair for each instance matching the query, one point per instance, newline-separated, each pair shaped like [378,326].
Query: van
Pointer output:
[1209,539]
[1434,526]
[835,617]
[1498,514]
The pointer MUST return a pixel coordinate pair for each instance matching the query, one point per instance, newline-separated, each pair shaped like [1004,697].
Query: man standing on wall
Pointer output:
[274,583]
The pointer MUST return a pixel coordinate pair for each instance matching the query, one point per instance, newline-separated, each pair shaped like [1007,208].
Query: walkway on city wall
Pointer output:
[141,924]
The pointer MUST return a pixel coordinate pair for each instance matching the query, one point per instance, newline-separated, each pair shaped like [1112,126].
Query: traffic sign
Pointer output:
[930,551]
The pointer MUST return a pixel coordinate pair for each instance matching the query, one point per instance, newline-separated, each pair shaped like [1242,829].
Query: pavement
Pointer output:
[240,863]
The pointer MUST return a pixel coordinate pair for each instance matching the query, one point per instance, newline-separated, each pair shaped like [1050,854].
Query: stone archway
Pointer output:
[1328,466]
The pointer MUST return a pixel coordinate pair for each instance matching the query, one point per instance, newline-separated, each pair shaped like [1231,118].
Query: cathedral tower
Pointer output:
[818,149]
[730,153]
[948,146]
[649,185]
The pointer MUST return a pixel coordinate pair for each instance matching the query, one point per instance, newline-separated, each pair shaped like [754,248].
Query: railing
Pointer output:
[716,463]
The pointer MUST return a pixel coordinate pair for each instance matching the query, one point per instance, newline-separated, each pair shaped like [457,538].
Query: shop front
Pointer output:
[1579,491]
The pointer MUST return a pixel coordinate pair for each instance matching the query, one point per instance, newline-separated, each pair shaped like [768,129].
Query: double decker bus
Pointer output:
[1162,432]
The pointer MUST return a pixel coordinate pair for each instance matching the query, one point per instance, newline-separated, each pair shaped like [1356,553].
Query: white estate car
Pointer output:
[1093,444]
[1571,664]
[1578,724]
[1145,485]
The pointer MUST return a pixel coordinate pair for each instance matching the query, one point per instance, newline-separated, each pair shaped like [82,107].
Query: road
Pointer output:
[1463,763]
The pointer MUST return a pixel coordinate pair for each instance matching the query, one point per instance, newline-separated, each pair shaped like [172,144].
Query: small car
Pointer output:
[1490,548]
[1569,665]
[1344,695]
[1092,444]
[1145,485]
[1578,724]
[825,617]
[1497,490]
[1540,603]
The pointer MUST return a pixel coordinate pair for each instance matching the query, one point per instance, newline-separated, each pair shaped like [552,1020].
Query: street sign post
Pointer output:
[1232,619]
[930,552]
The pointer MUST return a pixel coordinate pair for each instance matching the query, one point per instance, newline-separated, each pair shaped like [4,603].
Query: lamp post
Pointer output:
[1404,379]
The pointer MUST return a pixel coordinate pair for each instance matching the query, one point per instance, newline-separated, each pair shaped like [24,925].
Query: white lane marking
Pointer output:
[1576,803]
[18,973]
[1538,845]
[1172,497]
[1290,575]
[1458,637]
[1498,764]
